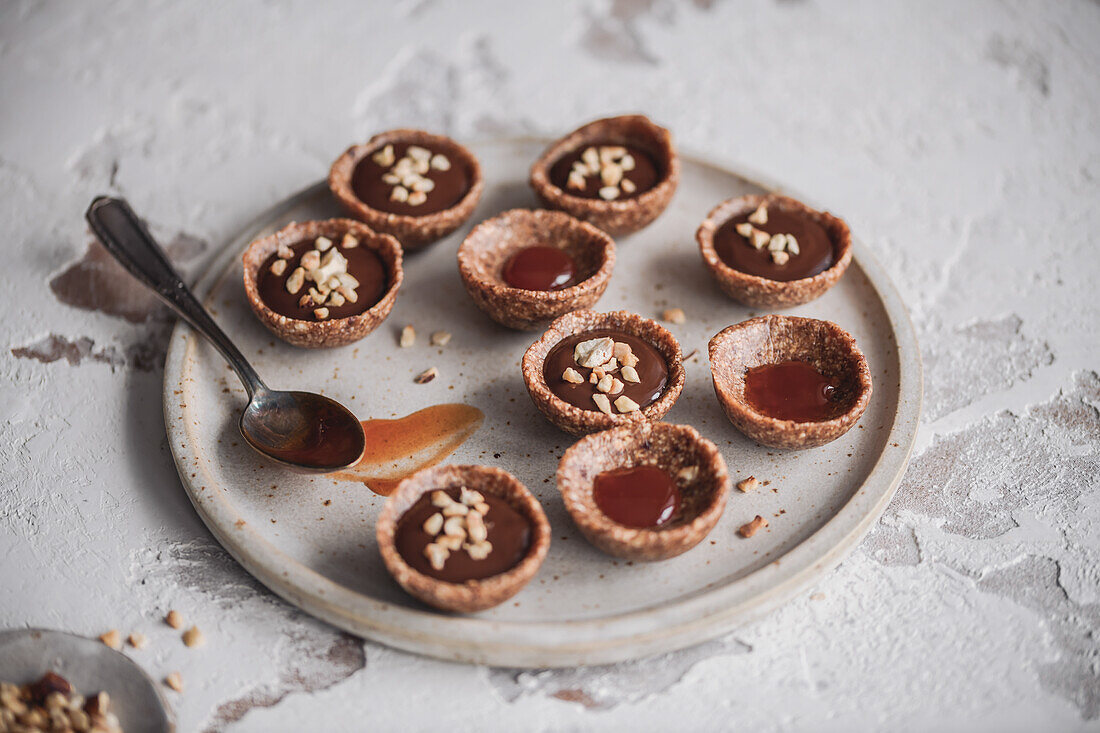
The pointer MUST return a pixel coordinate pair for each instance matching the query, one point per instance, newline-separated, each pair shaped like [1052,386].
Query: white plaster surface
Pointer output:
[960,139]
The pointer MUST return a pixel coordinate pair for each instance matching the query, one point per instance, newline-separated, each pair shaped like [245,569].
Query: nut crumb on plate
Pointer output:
[748,530]
[193,637]
[174,619]
[426,376]
[112,639]
[748,484]
[408,337]
[175,681]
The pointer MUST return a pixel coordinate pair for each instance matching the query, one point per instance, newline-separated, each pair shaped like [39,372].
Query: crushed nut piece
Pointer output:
[399,194]
[616,386]
[609,193]
[630,374]
[604,385]
[433,524]
[748,530]
[593,352]
[780,258]
[603,403]
[572,376]
[174,619]
[426,376]
[417,197]
[792,245]
[760,216]
[284,252]
[384,157]
[621,351]
[744,229]
[278,267]
[441,499]
[418,153]
[138,640]
[455,526]
[777,243]
[440,338]
[475,527]
[408,337]
[112,639]
[320,313]
[336,299]
[437,555]
[627,164]
[175,681]
[193,637]
[321,244]
[450,542]
[440,162]
[296,280]
[628,186]
[480,551]
[311,260]
[611,175]
[624,404]
[481,508]
[674,315]
[576,180]
[687,474]
[455,509]
[748,484]
[349,241]
[469,497]
[759,238]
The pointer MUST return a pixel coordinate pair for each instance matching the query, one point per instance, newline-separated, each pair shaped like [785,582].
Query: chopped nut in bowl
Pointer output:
[412,184]
[773,251]
[789,382]
[462,538]
[618,173]
[644,492]
[323,283]
[593,371]
[525,268]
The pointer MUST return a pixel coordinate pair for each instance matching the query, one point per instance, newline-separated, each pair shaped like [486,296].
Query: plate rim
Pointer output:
[663,627]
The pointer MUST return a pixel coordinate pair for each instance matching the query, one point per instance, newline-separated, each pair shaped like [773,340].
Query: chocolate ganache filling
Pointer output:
[352,279]
[410,180]
[606,170]
[606,370]
[748,243]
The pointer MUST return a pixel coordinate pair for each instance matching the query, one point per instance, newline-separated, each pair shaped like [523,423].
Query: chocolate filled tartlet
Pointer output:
[644,492]
[773,251]
[618,173]
[525,268]
[322,283]
[790,382]
[462,538]
[592,371]
[417,186]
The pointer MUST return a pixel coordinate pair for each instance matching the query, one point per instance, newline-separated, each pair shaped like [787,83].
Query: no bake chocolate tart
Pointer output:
[414,185]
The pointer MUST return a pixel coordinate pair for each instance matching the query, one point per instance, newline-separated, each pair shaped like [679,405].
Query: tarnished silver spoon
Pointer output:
[302,430]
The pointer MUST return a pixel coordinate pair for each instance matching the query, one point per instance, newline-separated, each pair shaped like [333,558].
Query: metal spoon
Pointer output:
[302,430]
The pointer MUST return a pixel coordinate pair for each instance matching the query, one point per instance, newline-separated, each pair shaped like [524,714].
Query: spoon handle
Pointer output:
[127,239]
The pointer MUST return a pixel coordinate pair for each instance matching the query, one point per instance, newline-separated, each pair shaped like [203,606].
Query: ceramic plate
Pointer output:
[90,667]
[311,539]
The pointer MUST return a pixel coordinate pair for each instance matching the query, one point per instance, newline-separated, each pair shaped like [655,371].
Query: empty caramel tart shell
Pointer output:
[761,292]
[484,252]
[578,421]
[691,459]
[773,339]
[336,331]
[614,217]
[414,232]
[471,595]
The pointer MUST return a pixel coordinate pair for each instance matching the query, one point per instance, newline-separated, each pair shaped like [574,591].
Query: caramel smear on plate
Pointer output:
[398,448]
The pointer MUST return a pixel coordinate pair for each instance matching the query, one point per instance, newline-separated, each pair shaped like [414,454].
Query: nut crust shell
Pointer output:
[471,595]
[671,447]
[760,292]
[578,421]
[486,249]
[774,338]
[337,331]
[614,217]
[414,232]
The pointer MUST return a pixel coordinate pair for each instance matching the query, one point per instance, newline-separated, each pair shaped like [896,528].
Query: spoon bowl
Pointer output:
[302,430]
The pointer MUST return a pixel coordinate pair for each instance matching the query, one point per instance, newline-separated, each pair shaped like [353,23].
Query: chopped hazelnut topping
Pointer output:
[609,193]
[481,508]
[576,180]
[296,280]
[322,244]
[759,238]
[278,267]
[418,153]
[624,404]
[628,186]
[475,527]
[480,551]
[455,509]
[441,499]
[748,484]
[426,376]
[616,386]
[433,524]
[138,640]
[593,352]
[777,243]
[336,299]
[604,385]
[603,403]
[593,378]
[400,194]
[748,530]
[193,637]
[284,252]
[780,258]
[174,680]
[408,337]
[627,162]
[572,376]
[417,197]
[311,260]
[455,526]
[630,374]
[436,554]
[349,241]
[384,157]
[674,315]
[174,619]
[112,639]
[792,245]
[320,313]
[591,157]
[469,497]
[744,229]
[440,162]
[611,174]
[450,542]
[621,351]
[440,338]
[760,216]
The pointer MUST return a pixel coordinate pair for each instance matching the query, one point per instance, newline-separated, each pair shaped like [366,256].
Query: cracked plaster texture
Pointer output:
[958,139]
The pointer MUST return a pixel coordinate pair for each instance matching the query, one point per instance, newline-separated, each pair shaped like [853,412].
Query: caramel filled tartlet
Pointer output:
[462,538]
[618,173]
[525,268]
[592,371]
[773,251]
[322,283]
[790,382]
[644,492]
[412,184]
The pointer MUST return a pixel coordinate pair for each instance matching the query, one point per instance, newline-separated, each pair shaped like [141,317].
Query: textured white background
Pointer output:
[961,139]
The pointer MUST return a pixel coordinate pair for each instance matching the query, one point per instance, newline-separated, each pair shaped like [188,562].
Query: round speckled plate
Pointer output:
[311,539]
